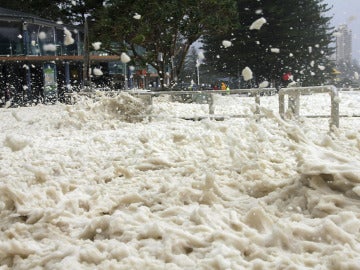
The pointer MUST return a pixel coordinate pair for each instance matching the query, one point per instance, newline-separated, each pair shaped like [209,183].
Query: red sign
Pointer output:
[141,72]
[286,76]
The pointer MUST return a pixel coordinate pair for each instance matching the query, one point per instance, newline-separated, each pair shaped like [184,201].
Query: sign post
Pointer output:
[50,85]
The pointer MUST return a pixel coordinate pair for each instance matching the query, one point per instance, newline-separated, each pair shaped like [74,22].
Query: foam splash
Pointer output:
[98,186]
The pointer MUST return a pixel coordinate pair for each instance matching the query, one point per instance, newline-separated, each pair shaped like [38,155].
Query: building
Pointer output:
[41,59]
[343,45]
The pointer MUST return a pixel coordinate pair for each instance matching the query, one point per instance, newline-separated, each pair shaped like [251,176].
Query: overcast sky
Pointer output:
[348,12]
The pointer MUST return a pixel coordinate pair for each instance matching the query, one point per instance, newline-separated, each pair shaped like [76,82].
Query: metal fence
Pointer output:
[201,96]
[294,94]
[208,97]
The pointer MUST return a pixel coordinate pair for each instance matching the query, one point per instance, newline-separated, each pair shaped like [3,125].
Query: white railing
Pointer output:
[206,95]
[348,89]
[209,95]
[294,94]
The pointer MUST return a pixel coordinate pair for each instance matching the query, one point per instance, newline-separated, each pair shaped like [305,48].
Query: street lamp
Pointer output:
[197,71]
[125,77]
[86,79]
[199,59]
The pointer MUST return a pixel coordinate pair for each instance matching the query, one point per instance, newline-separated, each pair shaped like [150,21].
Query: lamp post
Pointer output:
[160,60]
[125,77]
[197,71]
[86,81]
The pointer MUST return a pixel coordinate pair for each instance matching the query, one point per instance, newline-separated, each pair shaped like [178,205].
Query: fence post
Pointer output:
[282,104]
[211,104]
[334,108]
[294,103]
[257,101]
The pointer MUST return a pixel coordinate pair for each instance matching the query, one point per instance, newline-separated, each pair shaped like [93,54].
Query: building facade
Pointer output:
[343,45]
[40,59]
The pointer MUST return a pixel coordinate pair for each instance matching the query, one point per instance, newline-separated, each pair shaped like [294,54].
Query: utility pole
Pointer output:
[125,77]
[197,71]
[86,79]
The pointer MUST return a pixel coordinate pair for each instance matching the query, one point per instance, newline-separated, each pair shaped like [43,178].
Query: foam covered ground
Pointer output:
[102,185]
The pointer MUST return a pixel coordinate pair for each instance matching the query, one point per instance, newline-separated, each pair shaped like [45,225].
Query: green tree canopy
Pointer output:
[188,72]
[162,28]
[67,11]
[296,38]
[42,8]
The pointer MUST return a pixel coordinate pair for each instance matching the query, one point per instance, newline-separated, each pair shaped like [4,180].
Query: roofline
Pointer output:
[49,58]
[17,16]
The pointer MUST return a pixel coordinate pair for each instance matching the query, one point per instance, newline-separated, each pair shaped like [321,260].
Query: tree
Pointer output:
[349,72]
[42,8]
[188,72]
[75,11]
[165,29]
[67,11]
[295,38]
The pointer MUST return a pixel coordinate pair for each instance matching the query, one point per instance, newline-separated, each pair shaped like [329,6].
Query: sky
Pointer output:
[99,185]
[347,11]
